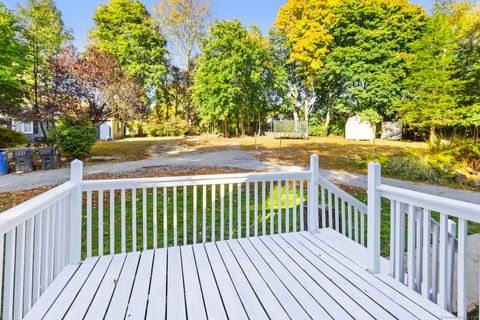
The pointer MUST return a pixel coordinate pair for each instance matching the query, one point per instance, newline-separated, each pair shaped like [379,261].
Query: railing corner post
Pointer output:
[313,223]
[374,210]
[75,234]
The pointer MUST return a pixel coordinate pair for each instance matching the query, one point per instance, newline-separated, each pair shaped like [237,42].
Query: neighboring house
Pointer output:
[111,130]
[30,128]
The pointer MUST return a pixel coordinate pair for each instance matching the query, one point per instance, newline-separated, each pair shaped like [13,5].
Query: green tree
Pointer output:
[125,29]
[233,80]
[369,56]
[45,36]
[12,63]
[434,91]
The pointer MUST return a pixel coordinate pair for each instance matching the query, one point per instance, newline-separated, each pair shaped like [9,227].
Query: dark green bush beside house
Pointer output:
[10,138]
[74,137]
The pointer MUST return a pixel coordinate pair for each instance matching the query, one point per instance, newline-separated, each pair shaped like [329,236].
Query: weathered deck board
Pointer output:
[287,276]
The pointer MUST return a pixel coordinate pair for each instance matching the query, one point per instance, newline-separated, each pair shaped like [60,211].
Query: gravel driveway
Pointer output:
[236,158]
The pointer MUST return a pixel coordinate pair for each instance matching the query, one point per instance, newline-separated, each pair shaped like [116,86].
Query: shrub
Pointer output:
[414,167]
[10,138]
[317,128]
[74,137]
[157,128]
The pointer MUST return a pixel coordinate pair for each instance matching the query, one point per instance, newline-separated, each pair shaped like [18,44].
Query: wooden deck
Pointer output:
[287,276]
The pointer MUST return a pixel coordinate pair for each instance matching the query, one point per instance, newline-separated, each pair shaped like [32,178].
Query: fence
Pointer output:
[296,129]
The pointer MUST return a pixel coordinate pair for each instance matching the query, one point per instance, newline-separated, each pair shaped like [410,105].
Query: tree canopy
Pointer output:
[125,29]
[233,78]
[12,63]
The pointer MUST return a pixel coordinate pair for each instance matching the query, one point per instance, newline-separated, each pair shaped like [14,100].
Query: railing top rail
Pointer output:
[192,180]
[343,194]
[455,208]
[19,214]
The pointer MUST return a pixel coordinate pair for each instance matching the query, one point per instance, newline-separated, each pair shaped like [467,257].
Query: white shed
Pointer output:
[357,129]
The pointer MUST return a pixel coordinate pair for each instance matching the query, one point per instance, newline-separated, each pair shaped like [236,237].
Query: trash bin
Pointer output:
[3,162]
[49,156]
[23,158]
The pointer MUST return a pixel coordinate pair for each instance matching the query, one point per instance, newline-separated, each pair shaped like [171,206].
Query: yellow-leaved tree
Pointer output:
[306,26]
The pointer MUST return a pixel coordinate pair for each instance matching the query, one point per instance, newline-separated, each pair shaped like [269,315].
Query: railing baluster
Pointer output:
[155,217]
[411,246]
[37,267]
[350,227]
[399,241]
[247,209]
[324,213]
[165,217]
[279,205]
[302,208]
[204,214]
[462,269]
[89,223]
[426,254]
[144,218]
[175,217]
[51,245]
[295,227]
[362,228]
[255,206]
[287,207]
[434,264]
[185,224]
[123,221]
[134,219]
[330,210]
[222,212]
[29,247]
[239,210]
[194,214]
[100,222]
[272,192]
[393,230]
[356,227]
[19,272]
[442,283]
[344,223]
[9,275]
[112,221]
[264,209]
[230,211]
[45,247]
[57,239]
[213,211]
[418,250]
[337,214]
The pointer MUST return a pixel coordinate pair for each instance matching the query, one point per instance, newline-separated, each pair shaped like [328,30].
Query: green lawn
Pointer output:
[134,212]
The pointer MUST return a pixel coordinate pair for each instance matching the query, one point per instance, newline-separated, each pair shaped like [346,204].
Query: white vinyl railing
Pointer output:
[142,214]
[84,218]
[34,248]
[432,258]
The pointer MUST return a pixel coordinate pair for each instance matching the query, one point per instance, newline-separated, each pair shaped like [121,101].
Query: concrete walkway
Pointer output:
[232,158]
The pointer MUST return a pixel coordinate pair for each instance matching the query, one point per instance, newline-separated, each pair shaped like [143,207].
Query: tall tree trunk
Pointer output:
[36,98]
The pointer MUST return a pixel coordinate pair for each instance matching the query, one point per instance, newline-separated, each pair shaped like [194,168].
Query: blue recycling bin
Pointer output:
[3,162]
